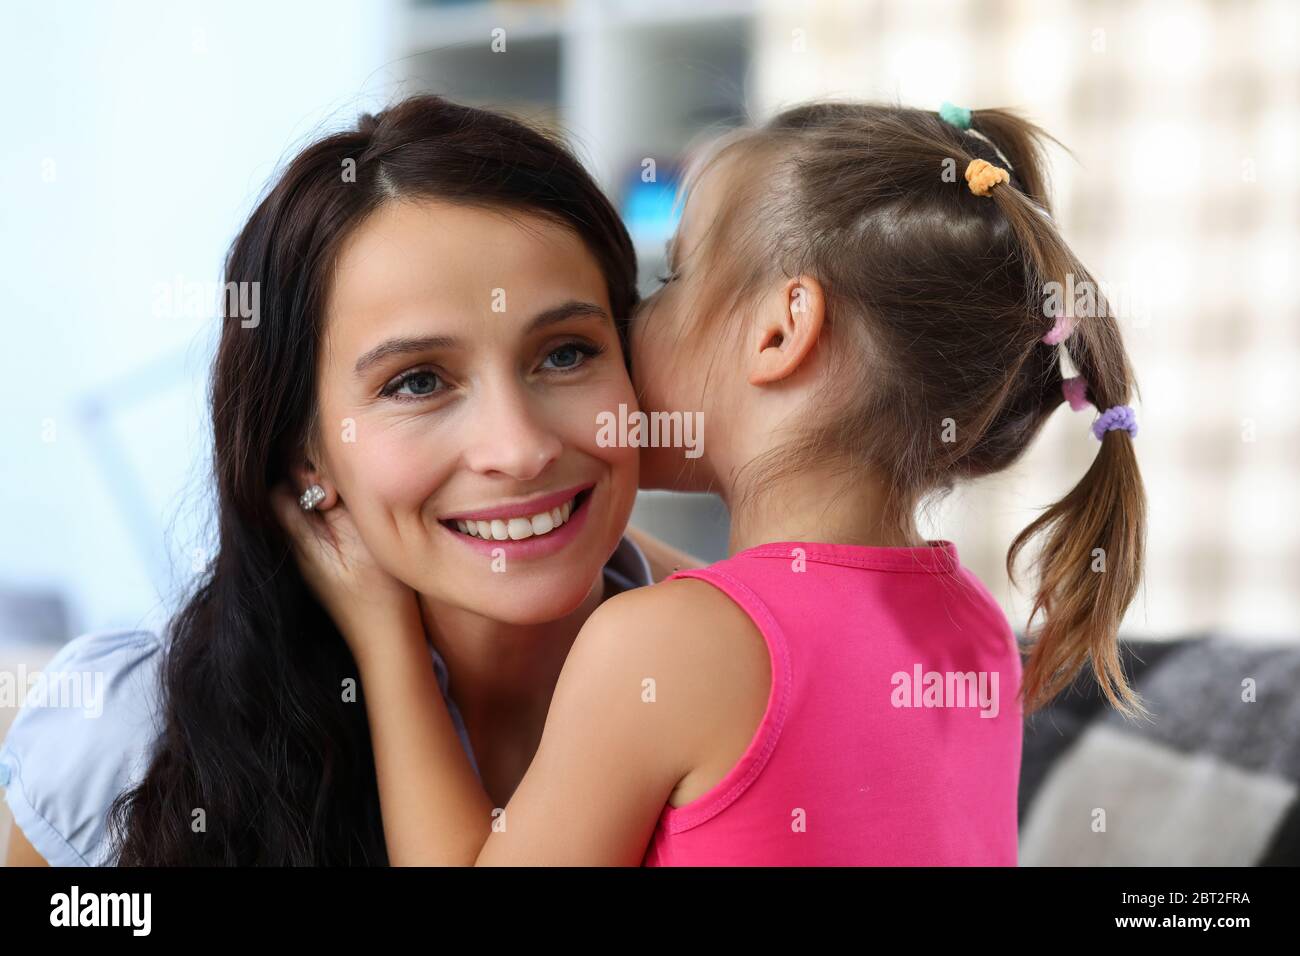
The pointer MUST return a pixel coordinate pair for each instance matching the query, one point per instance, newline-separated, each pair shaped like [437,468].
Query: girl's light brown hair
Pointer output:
[935,316]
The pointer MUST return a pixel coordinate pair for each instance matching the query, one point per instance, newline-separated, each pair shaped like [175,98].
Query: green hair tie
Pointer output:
[957,116]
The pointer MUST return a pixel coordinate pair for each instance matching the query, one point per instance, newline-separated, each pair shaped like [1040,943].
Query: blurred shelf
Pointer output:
[673,14]
[620,79]
[438,24]
[433,25]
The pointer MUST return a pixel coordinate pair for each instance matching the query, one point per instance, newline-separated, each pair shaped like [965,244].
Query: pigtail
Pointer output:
[1088,570]
[1092,542]
[1089,564]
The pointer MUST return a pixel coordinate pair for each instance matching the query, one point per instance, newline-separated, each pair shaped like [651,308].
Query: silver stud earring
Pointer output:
[311,497]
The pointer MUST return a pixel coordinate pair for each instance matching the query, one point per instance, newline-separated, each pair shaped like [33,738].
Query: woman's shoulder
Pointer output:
[84,734]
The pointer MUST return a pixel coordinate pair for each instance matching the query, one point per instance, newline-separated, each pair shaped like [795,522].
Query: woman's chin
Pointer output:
[527,606]
[521,598]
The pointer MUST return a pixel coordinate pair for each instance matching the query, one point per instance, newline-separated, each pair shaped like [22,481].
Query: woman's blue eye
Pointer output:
[570,356]
[566,356]
[422,383]
[415,384]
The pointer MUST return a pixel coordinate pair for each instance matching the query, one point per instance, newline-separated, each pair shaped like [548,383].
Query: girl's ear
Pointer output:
[786,329]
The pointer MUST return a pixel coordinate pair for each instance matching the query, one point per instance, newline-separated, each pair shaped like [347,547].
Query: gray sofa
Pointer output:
[1212,779]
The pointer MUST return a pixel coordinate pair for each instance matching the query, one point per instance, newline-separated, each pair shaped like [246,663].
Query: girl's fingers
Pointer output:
[319,537]
[335,518]
[297,523]
[341,527]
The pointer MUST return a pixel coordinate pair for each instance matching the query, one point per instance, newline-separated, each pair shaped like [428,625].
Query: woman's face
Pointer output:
[467,354]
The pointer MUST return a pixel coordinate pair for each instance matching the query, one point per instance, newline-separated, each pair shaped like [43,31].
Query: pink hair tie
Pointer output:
[1060,331]
[1076,392]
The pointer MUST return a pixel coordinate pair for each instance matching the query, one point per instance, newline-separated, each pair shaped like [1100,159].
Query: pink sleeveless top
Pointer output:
[892,733]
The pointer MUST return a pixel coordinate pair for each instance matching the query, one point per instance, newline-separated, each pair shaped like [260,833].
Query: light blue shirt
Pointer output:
[88,735]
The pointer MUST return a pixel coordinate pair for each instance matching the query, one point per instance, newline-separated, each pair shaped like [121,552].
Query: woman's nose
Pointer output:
[511,437]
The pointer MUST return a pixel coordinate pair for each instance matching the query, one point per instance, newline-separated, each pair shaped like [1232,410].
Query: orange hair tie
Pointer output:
[982,176]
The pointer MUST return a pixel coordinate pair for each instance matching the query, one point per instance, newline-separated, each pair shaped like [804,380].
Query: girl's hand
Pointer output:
[370,607]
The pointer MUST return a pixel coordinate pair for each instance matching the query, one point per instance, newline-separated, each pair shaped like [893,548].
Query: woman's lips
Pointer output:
[520,509]
[546,533]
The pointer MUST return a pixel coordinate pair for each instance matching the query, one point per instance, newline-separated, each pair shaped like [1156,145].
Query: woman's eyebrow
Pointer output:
[567,310]
[407,344]
[402,346]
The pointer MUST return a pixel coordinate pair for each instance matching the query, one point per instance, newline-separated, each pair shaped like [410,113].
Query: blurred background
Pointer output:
[138,136]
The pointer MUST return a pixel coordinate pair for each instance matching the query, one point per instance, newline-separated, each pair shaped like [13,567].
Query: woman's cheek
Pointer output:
[396,473]
[604,392]
[602,405]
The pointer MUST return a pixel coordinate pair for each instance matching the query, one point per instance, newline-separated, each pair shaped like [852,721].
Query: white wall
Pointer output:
[135,139]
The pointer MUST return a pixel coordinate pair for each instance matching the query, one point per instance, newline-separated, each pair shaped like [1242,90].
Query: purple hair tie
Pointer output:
[1118,416]
[1075,390]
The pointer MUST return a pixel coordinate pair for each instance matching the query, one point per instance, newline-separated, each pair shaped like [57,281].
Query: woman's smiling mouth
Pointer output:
[540,518]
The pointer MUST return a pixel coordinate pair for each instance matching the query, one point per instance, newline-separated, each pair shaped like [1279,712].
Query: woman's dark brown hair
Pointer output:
[263,758]
[936,310]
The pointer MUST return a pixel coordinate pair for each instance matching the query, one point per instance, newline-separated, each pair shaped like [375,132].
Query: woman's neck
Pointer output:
[820,505]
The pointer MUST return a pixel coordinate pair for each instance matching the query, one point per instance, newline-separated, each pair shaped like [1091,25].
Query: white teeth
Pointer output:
[516,529]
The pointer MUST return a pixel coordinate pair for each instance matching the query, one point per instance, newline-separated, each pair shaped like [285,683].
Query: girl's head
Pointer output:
[890,325]
[441,295]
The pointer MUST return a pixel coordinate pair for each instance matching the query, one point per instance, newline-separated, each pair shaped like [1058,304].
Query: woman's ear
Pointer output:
[787,327]
[304,473]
